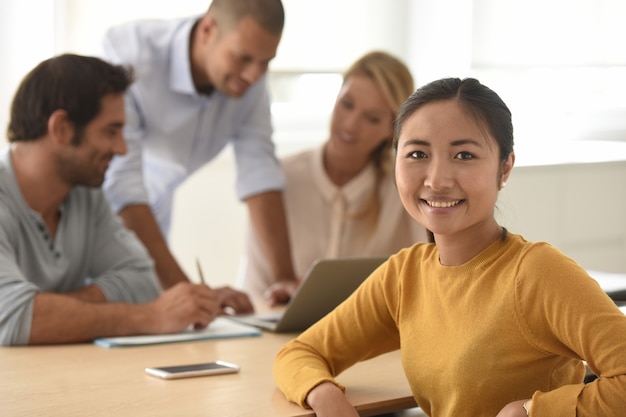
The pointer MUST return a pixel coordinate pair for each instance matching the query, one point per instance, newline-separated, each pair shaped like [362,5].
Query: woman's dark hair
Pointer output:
[478,100]
[73,83]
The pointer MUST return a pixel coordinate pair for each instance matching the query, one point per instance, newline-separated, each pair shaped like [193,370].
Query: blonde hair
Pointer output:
[395,81]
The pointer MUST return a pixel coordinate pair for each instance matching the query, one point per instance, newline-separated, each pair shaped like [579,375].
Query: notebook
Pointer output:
[327,283]
[220,328]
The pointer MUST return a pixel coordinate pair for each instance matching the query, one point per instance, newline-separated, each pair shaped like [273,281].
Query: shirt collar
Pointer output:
[180,61]
[353,192]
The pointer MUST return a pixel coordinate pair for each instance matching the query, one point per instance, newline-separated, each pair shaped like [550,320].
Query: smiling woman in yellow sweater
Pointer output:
[489,324]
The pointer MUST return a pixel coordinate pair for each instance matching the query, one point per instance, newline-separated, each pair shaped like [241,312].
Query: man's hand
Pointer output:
[231,299]
[281,292]
[182,305]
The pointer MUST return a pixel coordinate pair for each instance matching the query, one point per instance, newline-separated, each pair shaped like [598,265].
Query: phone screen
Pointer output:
[192,370]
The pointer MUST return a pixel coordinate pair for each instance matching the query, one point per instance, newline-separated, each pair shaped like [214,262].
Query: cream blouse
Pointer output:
[323,222]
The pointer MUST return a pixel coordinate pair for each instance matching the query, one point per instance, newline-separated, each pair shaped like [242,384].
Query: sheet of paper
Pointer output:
[220,328]
[609,281]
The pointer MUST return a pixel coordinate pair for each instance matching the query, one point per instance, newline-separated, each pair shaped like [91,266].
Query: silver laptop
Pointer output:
[328,282]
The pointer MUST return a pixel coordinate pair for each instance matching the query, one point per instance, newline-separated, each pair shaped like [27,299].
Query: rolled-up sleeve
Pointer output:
[258,169]
[16,293]
[16,302]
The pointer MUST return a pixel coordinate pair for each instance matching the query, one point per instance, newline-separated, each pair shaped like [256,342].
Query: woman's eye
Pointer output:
[417,155]
[346,104]
[464,156]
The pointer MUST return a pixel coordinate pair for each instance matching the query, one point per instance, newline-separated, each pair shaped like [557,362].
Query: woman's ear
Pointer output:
[507,167]
[60,128]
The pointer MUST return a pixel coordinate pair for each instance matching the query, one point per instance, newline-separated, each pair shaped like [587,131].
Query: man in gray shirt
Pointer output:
[69,270]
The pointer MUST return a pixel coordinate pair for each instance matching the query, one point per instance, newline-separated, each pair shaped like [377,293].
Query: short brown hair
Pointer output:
[73,83]
[269,14]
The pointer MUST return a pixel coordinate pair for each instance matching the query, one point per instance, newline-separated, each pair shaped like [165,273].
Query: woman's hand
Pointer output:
[327,400]
[515,409]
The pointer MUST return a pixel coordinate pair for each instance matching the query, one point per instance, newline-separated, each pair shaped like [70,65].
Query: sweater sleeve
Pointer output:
[566,313]
[121,267]
[342,338]
[16,292]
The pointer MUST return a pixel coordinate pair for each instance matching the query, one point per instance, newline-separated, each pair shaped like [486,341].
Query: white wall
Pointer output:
[568,206]
[23,46]
[87,20]
[573,197]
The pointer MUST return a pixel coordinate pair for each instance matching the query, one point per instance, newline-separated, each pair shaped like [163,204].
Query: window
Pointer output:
[559,64]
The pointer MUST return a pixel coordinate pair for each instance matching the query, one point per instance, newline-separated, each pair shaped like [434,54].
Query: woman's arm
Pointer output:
[360,328]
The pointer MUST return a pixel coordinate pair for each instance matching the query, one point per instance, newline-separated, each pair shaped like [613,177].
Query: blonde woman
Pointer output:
[340,198]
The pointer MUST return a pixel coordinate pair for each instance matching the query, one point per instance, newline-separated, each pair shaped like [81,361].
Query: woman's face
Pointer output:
[448,169]
[361,119]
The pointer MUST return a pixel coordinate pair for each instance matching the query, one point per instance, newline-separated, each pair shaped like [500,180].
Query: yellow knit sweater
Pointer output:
[513,322]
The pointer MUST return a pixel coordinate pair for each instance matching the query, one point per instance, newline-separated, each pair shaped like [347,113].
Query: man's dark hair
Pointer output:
[269,14]
[67,82]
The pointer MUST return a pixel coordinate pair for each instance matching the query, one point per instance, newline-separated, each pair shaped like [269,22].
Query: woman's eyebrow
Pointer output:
[458,142]
[419,142]
[461,142]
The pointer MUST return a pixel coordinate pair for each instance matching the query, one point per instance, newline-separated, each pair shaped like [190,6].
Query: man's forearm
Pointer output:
[91,294]
[59,318]
[269,221]
[139,218]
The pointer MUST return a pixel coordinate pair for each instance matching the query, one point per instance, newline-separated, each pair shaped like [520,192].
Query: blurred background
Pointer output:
[560,65]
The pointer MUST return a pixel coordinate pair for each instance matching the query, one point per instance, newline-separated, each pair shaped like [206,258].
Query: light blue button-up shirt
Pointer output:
[172,130]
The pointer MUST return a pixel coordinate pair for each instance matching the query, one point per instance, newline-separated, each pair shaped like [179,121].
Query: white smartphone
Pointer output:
[193,370]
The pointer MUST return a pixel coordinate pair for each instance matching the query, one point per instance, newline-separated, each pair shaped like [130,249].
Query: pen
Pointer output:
[200,271]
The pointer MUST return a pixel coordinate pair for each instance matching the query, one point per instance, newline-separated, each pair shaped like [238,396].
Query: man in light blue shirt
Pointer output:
[69,270]
[200,85]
